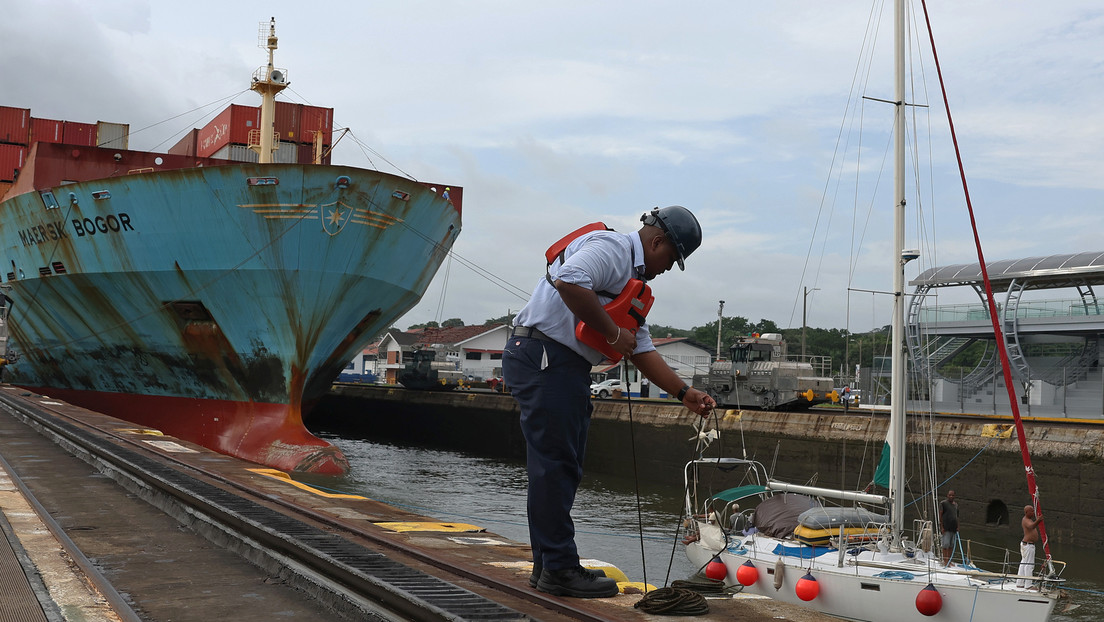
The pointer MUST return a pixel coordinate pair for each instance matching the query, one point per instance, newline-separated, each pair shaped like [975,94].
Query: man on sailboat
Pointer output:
[948,525]
[547,362]
[1030,524]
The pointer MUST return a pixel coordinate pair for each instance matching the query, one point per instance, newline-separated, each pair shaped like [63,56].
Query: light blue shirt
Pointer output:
[601,261]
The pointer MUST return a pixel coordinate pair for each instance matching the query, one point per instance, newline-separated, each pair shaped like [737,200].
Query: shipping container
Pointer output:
[46,130]
[236,153]
[315,119]
[11,160]
[187,145]
[231,126]
[286,153]
[112,135]
[286,122]
[306,154]
[15,125]
[83,134]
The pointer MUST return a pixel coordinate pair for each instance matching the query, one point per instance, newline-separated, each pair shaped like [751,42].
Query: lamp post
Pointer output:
[804,303]
[847,356]
[858,365]
[719,317]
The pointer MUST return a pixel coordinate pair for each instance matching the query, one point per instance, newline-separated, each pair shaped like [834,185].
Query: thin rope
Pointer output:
[636,474]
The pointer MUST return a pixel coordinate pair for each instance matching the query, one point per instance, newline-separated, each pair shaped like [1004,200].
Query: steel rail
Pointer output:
[338,576]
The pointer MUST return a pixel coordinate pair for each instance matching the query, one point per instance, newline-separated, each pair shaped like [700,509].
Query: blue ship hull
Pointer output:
[213,302]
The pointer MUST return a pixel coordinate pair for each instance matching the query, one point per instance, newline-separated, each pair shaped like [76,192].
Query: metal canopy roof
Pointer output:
[1052,271]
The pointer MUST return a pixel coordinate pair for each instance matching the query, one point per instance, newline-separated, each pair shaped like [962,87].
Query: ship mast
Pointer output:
[267,81]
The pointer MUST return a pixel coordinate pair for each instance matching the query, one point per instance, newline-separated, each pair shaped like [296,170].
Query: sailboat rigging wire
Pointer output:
[858,77]
[998,334]
[936,488]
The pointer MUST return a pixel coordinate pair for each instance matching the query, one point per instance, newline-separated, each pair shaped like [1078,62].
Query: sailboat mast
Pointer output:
[898,389]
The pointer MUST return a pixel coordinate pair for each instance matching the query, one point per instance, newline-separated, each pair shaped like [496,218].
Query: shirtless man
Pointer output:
[1030,526]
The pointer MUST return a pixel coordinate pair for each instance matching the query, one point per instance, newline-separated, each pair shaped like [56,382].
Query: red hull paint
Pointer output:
[268,434]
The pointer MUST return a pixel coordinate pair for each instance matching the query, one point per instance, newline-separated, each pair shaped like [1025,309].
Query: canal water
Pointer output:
[640,539]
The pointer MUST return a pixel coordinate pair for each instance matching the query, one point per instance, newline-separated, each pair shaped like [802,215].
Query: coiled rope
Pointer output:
[704,585]
[673,601]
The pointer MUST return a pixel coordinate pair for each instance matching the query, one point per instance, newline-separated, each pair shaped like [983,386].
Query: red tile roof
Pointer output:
[451,335]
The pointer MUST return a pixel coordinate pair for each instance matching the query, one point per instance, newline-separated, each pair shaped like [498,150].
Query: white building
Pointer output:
[684,356]
[475,350]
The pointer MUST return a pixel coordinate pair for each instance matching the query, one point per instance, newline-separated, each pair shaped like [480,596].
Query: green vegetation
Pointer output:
[846,349]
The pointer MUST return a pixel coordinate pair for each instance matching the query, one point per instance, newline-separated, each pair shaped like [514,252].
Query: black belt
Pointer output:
[532,333]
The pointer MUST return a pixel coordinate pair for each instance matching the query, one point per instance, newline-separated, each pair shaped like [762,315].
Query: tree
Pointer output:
[429,324]
[452,323]
[658,331]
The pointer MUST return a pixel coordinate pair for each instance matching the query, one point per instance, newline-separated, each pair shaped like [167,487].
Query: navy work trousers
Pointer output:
[551,384]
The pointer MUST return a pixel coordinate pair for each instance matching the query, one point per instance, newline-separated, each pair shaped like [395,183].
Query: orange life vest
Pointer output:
[629,309]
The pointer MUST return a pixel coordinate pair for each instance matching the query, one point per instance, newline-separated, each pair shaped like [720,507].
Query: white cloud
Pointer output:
[555,115]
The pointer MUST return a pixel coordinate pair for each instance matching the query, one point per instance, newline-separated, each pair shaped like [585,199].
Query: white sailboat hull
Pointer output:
[862,590]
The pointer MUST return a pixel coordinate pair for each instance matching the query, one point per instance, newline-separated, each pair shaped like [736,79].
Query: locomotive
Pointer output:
[759,374]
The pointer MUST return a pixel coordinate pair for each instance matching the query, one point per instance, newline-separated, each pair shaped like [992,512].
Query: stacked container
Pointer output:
[47,130]
[112,135]
[229,135]
[187,145]
[15,135]
[19,130]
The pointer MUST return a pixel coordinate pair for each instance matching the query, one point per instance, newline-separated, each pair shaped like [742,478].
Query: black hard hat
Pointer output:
[680,226]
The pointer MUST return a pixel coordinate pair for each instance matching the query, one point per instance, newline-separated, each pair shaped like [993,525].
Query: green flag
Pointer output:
[881,474]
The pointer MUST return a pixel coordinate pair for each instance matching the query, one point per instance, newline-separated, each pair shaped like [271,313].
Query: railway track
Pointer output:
[355,572]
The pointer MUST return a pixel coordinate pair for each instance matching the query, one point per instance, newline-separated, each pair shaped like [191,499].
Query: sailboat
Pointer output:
[857,559]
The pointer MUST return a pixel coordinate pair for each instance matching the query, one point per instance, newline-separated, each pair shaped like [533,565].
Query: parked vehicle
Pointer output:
[606,388]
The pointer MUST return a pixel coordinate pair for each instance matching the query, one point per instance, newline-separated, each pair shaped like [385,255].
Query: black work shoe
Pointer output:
[577,582]
[535,576]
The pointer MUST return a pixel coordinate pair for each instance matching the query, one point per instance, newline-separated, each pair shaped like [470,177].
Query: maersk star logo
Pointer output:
[335,217]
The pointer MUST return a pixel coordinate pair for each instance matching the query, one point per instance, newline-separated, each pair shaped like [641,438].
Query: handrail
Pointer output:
[845,495]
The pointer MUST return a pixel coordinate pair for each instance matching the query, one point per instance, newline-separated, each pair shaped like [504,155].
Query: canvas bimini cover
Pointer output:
[777,516]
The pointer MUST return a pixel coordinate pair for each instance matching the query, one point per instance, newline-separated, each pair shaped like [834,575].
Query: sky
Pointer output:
[554,115]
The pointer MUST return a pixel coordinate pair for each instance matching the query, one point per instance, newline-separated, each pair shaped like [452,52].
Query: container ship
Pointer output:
[213,292]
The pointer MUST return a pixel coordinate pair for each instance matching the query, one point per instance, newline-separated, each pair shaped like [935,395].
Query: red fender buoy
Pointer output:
[716,569]
[928,601]
[807,587]
[747,573]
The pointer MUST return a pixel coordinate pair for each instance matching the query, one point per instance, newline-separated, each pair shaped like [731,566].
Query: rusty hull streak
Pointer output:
[106,332]
[323,377]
